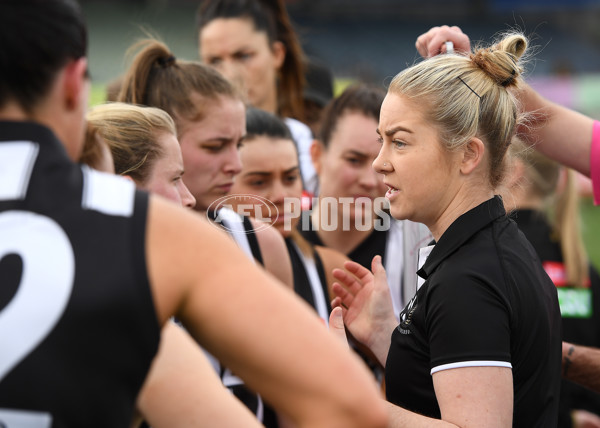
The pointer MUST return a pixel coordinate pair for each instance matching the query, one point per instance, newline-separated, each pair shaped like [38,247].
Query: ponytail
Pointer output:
[568,226]
[157,79]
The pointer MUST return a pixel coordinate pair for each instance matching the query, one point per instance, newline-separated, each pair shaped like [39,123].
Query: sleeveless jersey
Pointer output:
[310,282]
[78,328]
[241,230]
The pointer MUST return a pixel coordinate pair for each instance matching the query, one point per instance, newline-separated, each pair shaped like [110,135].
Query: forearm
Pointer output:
[581,365]
[279,347]
[402,418]
[558,132]
[183,390]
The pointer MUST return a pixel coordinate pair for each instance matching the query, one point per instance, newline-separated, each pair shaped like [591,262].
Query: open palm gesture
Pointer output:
[366,305]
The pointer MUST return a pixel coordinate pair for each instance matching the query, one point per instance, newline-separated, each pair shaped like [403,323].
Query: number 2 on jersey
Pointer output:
[45,287]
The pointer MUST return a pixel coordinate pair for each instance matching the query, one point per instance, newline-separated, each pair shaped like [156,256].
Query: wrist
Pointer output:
[567,360]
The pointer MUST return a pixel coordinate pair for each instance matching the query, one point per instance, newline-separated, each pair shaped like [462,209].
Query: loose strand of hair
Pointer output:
[568,225]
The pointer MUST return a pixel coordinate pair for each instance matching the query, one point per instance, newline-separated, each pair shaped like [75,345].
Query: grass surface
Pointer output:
[590,216]
[97,95]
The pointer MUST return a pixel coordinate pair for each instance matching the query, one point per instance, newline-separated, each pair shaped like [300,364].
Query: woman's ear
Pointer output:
[472,155]
[279,51]
[74,84]
[316,152]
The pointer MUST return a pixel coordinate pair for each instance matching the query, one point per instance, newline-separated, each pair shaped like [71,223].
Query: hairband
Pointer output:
[165,62]
[509,80]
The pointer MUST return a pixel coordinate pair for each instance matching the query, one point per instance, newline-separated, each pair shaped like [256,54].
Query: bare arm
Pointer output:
[183,390]
[252,324]
[468,397]
[558,132]
[581,364]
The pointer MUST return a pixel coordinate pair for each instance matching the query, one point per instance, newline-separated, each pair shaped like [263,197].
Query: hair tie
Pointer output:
[165,62]
[465,83]
[509,80]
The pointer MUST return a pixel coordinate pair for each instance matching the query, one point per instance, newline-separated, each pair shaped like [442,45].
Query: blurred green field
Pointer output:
[590,216]
[97,95]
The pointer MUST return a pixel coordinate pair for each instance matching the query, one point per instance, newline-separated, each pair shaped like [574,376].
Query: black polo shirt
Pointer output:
[486,301]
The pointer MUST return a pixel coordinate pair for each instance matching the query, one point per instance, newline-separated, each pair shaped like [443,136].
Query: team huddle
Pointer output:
[381,284]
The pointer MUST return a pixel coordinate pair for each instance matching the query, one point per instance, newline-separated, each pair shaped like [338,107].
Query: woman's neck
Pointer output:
[269,103]
[340,238]
[461,204]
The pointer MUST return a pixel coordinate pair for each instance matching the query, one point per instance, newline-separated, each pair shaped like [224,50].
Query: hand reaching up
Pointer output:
[366,305]
[434,41]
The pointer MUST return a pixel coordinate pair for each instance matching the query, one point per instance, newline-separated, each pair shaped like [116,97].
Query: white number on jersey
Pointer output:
[45,286]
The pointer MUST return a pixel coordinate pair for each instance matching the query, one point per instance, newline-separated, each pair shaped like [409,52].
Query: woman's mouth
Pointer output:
[391,191]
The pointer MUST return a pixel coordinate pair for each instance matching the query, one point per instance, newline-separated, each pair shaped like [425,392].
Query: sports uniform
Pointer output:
[486,301]
[241,230]
[78,327]
[580,306]
[310,281]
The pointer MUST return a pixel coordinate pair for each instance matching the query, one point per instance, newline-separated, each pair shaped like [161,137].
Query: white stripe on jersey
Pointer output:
[25,418]
[234,224]
[471,364]
[110,194]
[16,163]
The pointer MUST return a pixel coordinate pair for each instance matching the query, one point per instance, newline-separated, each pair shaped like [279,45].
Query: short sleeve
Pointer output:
[468,324]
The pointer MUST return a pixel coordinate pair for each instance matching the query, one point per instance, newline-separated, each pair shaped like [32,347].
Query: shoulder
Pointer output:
[266,236]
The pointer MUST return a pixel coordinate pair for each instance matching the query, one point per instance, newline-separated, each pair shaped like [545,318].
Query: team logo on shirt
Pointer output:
[406,316]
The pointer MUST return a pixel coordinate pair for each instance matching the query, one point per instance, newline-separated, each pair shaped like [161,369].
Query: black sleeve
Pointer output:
[467,320]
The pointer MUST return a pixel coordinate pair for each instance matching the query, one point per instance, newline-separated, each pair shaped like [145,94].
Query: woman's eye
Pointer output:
[291,179]
[380,140]
[213,148]
[214,61]
[399,143]
[244,56]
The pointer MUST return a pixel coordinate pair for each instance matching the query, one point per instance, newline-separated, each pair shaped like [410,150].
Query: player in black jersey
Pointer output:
[90,268]
[270,183]
[209,115]
[480,342]
[181,389]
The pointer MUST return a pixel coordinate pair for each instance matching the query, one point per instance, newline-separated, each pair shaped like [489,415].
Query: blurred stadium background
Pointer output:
[372,40]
